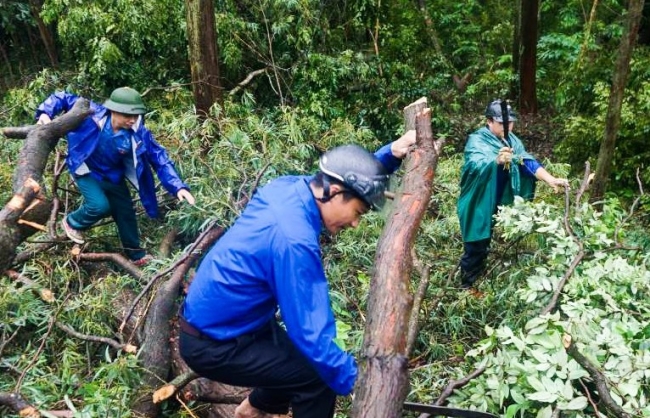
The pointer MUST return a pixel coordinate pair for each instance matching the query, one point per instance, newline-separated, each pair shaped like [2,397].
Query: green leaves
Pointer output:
[603,309]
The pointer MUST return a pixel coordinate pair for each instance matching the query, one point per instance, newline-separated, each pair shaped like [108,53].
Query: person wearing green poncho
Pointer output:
[495,170]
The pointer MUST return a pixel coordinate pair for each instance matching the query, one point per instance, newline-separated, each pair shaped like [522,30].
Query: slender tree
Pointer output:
[46,34]
[613,118]
[528,57]
[203,54]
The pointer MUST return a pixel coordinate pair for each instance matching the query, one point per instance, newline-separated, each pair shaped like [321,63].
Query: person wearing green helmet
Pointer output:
[109,147]
[269,260]
[496,168]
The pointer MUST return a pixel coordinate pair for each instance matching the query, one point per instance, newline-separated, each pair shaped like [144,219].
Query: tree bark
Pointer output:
[10,235]
[528,61]
[203,54]
[613,118]
[155,353]
[32,159]
[15,402]
[382,385]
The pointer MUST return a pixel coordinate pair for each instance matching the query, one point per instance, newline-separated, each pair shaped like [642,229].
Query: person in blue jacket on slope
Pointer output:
[271,258]
[110,146]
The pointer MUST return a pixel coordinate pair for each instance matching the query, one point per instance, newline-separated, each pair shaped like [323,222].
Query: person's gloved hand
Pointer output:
[400,147]
[184,194]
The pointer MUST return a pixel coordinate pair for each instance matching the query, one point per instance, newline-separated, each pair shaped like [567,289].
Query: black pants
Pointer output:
[268,361]
[472,263]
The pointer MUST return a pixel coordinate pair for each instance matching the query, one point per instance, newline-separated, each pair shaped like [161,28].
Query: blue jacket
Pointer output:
[147,153]
[271,258]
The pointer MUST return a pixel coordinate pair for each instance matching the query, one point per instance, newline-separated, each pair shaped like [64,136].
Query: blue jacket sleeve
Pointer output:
[162,164]
[303,297]
[55,104]
[530,167]
[385,155]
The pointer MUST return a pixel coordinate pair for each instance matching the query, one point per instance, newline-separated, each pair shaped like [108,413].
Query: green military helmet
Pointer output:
[126,100]
[359,170]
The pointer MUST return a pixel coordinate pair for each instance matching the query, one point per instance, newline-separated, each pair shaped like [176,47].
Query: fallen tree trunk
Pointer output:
[40,140]
[155,355]
[382,385]
[10,229]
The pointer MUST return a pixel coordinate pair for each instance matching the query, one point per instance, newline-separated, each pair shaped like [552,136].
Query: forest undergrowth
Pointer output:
[520,348]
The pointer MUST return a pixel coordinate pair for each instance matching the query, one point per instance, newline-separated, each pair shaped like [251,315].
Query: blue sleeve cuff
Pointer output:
[530,167]
[386,157]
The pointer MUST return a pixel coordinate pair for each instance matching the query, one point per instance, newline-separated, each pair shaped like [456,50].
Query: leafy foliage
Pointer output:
[603,311]
[121,42]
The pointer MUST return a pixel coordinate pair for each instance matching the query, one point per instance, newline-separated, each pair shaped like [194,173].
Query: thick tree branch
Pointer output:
[188,254]
[115,258]
[16,403]
[382,385]
[599,380]
[19,132]
[174,386]
[10,230]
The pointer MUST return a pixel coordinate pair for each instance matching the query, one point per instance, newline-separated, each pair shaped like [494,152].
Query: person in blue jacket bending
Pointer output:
[271,258]
[110,146]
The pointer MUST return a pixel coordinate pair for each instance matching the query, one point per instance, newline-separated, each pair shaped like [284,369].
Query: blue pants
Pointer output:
[103,199]
[472,263]
[267,360]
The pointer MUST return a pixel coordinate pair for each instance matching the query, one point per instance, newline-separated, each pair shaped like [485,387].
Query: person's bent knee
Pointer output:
[97,209]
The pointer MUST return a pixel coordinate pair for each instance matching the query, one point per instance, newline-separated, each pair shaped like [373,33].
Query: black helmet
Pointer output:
[493,111]
[359,170]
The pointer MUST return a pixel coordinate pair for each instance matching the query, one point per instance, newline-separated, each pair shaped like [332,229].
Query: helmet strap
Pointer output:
[326,191]
[328,195]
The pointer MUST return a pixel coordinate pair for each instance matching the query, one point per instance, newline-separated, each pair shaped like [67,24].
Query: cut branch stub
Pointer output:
[10,231]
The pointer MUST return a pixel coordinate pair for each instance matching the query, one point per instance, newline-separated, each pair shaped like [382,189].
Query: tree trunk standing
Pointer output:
[31,163]
[431,30]
[46,33]
[203,54]
[613,118]
[528,59]
[382,385]
[516,48]
[7,63]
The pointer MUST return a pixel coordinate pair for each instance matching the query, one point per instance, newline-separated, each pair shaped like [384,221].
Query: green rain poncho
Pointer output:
[478,184]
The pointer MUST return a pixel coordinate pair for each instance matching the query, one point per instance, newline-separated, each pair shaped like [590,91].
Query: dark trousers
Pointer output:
[472,263]
[103,199]
[268,361]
